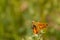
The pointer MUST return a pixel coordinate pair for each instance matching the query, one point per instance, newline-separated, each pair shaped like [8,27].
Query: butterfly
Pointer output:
[38,26]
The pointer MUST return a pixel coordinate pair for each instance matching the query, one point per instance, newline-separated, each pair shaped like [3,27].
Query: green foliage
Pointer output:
[16,18]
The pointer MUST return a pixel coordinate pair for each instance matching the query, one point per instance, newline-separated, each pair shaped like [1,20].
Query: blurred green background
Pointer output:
[16,18]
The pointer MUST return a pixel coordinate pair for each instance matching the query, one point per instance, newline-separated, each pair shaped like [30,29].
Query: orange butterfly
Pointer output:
[37,26]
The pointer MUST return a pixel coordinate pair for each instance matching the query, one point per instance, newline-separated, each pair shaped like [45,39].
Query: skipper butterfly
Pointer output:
[38,26]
